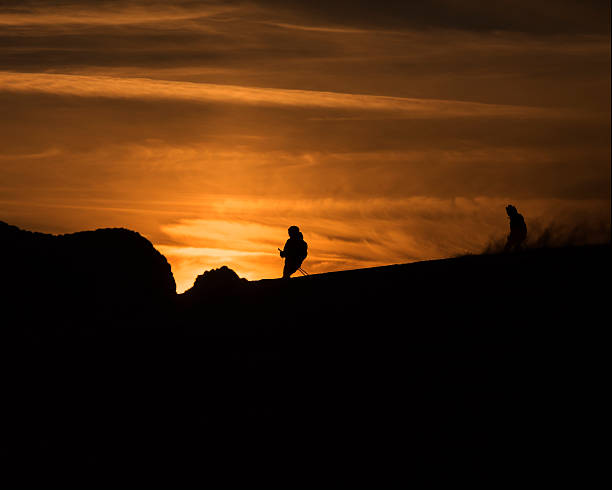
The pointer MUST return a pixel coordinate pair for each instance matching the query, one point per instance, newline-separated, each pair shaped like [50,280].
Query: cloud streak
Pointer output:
[111,14]
[143,88]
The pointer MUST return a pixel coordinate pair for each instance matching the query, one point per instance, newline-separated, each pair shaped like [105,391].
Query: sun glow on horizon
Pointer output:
[388,135]
[341,235]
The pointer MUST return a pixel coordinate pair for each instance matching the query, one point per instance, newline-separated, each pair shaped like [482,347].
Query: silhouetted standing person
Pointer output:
[518,229]
[295,251]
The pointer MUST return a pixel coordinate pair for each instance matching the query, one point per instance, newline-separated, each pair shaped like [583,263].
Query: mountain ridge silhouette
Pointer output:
[31,250]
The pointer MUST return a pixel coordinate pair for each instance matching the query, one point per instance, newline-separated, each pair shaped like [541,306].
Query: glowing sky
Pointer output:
[389,132]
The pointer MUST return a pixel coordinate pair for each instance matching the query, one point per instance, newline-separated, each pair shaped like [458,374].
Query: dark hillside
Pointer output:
[473,366]
[485,293]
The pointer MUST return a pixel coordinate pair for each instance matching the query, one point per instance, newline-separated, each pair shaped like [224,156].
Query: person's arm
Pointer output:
[283,253]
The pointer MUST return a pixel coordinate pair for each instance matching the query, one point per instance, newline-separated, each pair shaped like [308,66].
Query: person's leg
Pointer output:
[513,244]
[286,273]
[288,269]
[508,246]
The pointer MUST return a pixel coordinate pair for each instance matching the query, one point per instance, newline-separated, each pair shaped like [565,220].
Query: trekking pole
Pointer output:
[299,268]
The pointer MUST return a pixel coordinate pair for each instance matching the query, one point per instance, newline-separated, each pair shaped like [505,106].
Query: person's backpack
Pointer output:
[303,250]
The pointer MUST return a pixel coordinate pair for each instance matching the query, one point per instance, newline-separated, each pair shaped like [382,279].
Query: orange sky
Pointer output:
[388,135]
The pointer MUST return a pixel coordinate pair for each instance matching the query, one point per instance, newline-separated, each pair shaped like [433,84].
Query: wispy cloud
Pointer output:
[51,152]
[142,88]
[108,14]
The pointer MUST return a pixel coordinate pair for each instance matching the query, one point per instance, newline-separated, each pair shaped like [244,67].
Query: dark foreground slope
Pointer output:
[480,366]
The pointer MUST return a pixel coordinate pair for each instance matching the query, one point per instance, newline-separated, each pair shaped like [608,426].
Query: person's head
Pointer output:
[511,210]
[294,231]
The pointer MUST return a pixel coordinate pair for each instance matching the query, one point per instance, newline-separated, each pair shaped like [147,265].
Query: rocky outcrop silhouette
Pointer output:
[216,284]
[97,272]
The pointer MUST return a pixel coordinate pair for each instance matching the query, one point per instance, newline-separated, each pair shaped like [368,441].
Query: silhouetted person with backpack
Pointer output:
[294,253]
[518,229]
